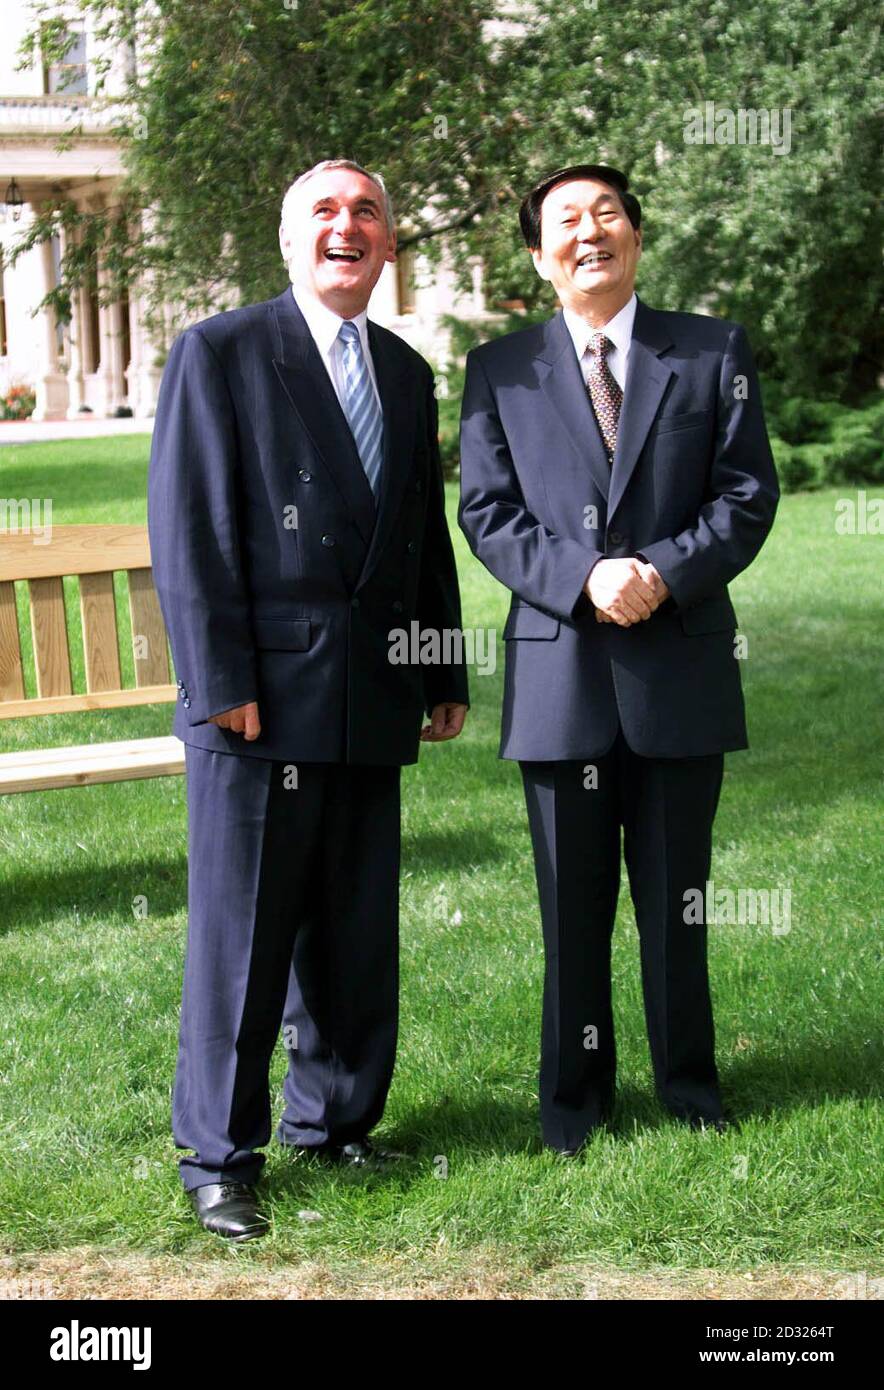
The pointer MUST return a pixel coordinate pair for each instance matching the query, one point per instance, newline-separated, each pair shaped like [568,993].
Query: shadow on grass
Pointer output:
[767,1089]
[451,849]
[33,899]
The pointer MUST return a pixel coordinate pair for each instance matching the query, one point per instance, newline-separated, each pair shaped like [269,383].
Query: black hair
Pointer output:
[529,212]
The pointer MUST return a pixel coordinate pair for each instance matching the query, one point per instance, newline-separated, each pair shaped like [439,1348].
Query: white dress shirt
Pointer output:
[618,329]
[325,325]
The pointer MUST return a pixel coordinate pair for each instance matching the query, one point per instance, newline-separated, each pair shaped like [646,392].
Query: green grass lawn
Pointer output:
[91,990]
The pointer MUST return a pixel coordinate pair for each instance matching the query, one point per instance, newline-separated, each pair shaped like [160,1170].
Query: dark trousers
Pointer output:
[293,921]
[666,808]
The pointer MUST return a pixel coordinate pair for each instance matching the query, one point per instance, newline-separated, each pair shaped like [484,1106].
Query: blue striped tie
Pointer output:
[361,406]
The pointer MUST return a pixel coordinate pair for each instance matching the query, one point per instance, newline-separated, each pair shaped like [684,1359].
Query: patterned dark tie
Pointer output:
[604,392]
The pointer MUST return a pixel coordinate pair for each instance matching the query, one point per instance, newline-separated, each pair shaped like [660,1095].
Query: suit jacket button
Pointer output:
[397,606]
[328,540]
[418,485]
[305,476]
[616,537]
[411,547]
[354,603]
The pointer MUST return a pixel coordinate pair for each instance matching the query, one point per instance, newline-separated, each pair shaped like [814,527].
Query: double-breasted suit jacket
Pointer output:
[278,577]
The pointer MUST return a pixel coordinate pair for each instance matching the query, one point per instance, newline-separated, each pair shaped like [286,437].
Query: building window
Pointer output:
[68,76]
[4,343]
[405,282]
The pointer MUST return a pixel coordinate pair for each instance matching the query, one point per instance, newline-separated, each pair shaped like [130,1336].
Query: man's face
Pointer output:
[335,239]
[589,248]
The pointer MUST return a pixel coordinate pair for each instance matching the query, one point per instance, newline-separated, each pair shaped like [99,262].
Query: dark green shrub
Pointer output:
[792,469]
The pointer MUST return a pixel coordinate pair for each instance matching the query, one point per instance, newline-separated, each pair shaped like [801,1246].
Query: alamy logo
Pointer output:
[451,646]
[76,1343]
[766,907]
[711,124]
[27,517]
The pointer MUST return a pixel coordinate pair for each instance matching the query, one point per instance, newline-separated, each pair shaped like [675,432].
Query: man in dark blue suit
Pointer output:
[296,514]
[616,476]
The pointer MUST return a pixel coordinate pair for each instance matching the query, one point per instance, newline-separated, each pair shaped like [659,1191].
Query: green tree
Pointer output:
[230,99]
[233,97]
[787,243]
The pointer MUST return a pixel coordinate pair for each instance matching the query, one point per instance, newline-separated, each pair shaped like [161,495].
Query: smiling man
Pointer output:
[616,475]
[296,515]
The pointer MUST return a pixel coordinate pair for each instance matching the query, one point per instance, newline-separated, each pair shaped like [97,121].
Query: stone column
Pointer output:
[133,389]
[50,386]
[118,371]
[105,403]
[144,374]
[76,387]
[106,396]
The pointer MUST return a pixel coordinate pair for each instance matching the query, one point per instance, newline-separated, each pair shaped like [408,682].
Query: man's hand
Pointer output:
[446,721]
[242,720]
[656,581]
[623,591]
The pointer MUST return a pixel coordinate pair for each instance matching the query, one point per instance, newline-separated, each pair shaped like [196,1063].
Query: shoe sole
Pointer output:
[240,1239]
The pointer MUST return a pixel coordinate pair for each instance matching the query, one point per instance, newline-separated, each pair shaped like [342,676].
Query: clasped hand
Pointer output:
[625,591]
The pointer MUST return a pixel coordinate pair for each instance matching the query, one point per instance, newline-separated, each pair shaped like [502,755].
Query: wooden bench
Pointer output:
[92,553]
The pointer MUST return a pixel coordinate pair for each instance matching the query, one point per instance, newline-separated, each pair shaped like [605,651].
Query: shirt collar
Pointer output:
[618,329]
[324,323]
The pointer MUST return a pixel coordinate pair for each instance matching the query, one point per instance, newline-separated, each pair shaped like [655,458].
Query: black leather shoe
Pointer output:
[362,1153]
[229,1209]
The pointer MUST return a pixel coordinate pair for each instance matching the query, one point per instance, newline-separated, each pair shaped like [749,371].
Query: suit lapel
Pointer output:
[560,376]
[395,388]
[646,381]
[311,395]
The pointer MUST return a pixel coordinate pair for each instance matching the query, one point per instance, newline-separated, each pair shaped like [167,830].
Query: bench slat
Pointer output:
[104,699]
[148,630]
[51,655]
[85,751]
[100,647]
[74,550]
[44,770]
[12,683]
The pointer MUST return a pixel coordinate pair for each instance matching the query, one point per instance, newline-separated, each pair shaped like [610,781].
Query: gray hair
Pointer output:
[337,164]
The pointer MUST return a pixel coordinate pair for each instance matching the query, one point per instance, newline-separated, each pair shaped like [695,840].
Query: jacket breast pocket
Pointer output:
[691,420]
[282,634]
[530,623]
[712,615]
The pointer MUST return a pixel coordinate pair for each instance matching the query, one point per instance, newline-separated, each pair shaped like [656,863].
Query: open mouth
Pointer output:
[593,259]
[344,253]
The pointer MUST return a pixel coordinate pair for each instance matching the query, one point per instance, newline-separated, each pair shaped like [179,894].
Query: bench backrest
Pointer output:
[92,553]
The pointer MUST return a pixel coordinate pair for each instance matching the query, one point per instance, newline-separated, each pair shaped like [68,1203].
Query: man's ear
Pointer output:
[537,258]
[391,248]
[638,239]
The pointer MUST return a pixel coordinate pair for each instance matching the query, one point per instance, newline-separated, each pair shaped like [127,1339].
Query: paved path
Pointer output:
[26,432]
